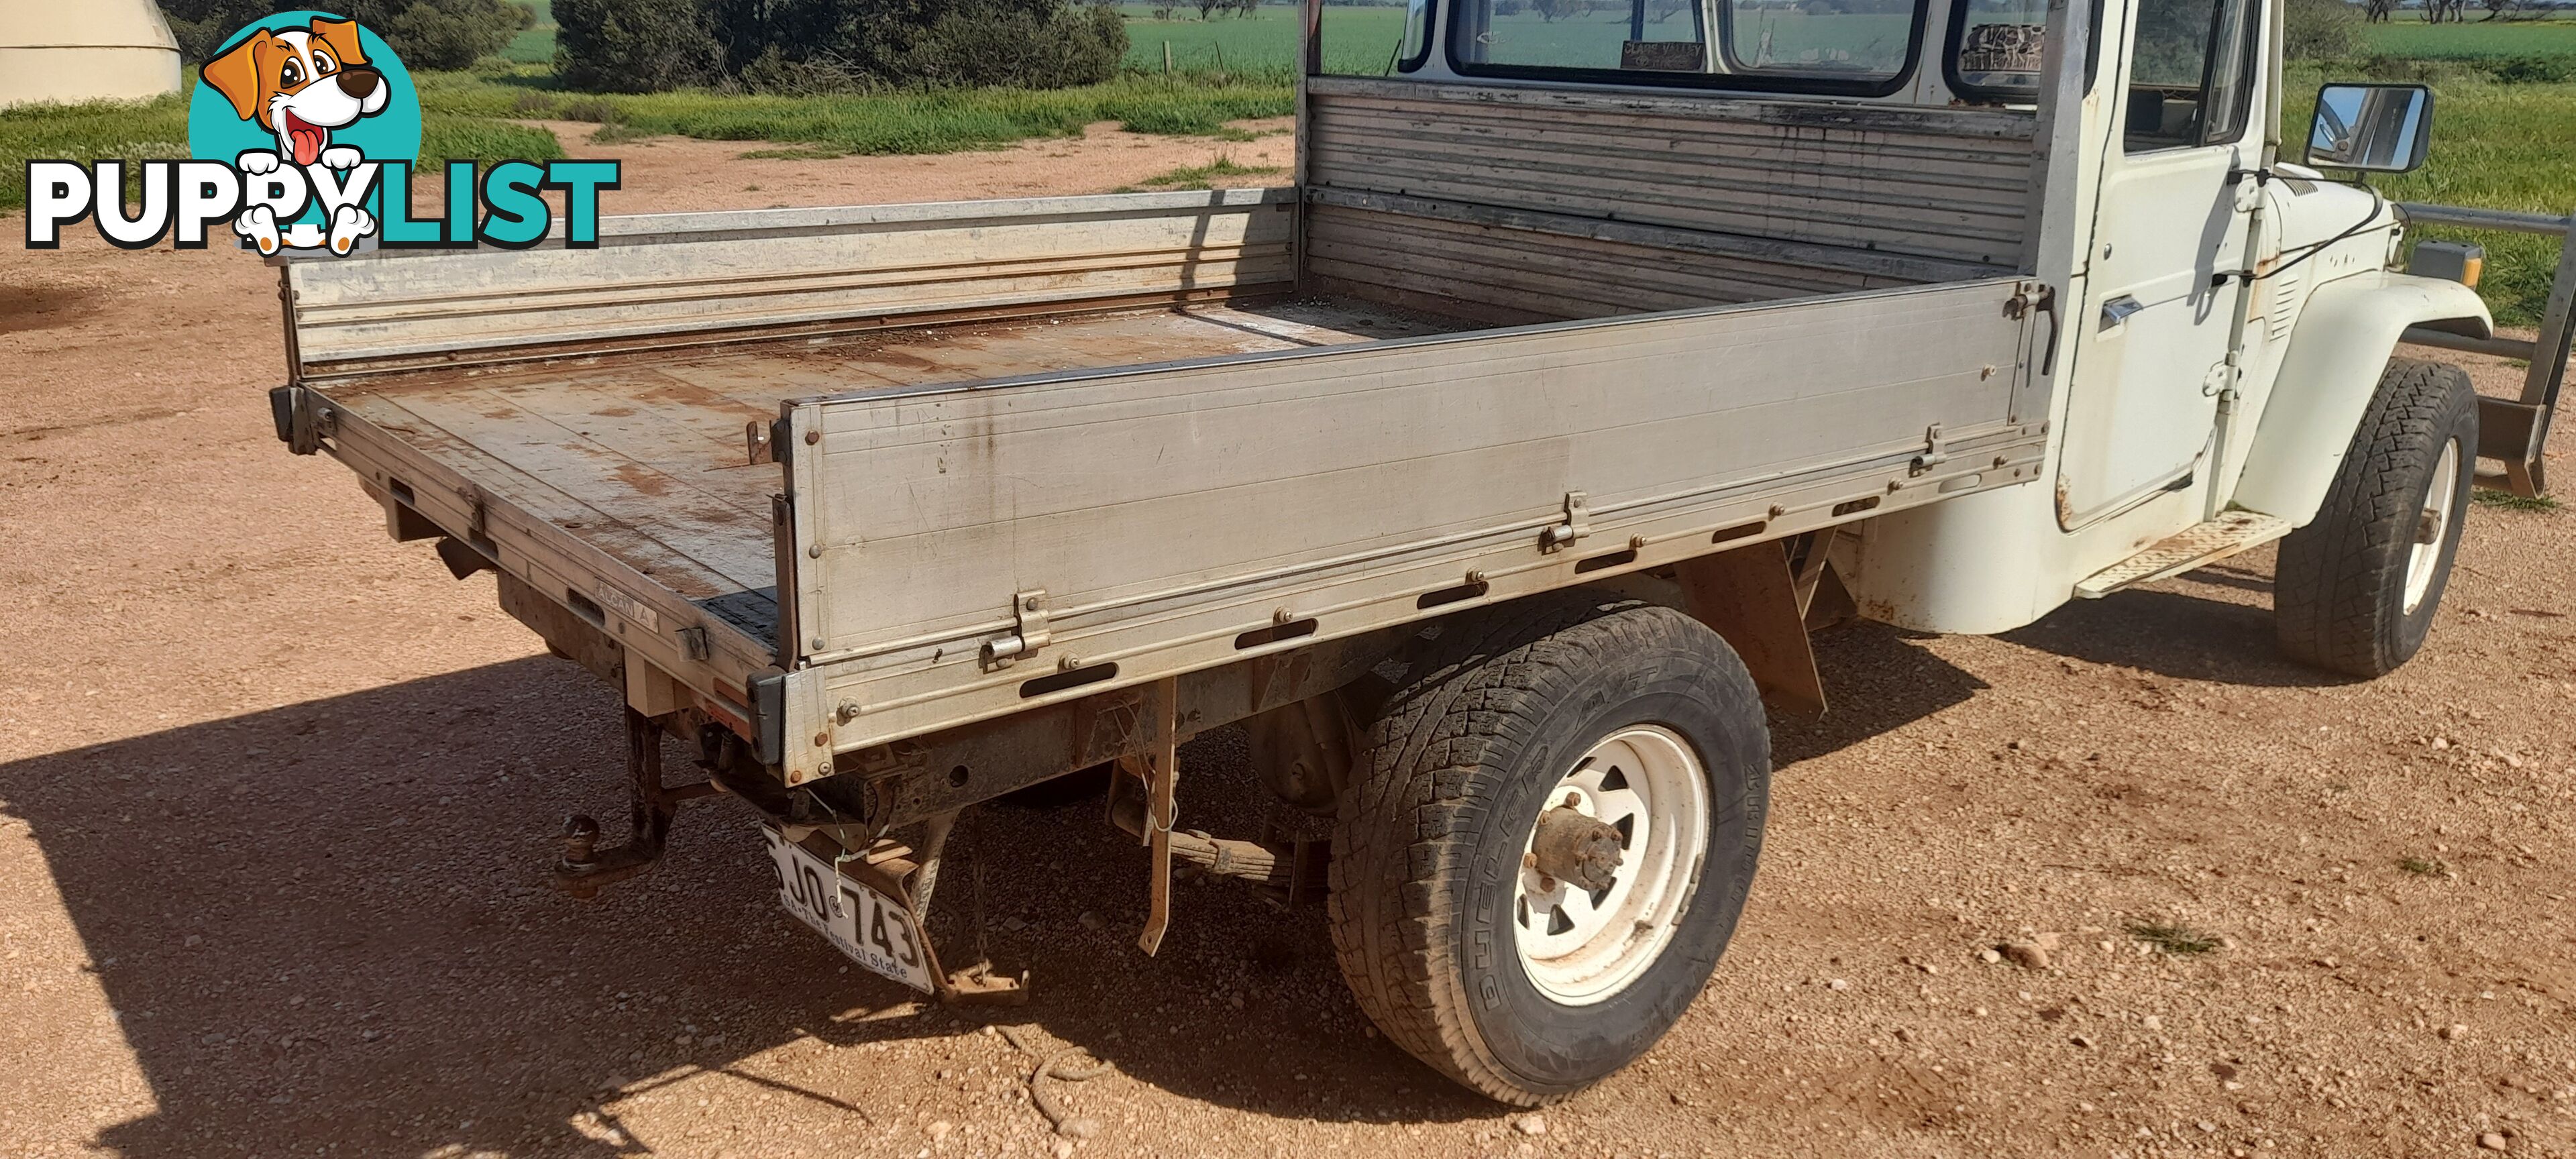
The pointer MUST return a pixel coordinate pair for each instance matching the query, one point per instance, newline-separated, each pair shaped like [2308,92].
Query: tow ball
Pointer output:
[584,866]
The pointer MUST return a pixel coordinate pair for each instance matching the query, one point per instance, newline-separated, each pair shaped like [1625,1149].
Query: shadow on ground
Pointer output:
[325,925]
[1877,679]
[2214,624]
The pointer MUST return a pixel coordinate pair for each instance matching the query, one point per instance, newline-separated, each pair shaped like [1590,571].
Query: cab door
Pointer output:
[2153,343]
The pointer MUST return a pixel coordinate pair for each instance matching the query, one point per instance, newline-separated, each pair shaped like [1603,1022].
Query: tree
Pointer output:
[447,34]
[2320,30]
[2497,8]
[452,34]
[635,46]
[829,45]
[2378,11]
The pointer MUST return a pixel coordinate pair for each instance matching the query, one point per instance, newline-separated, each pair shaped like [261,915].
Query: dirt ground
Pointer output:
[276,796]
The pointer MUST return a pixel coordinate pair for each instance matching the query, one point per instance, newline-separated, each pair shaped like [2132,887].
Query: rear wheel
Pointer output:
[1548,843]
[2356,589]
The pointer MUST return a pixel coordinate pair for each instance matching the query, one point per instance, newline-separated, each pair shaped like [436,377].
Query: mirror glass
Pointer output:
[2375,128]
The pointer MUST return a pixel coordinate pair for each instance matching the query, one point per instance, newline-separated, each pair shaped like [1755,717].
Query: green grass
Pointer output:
[2173,939]
[1357,39]
[1208,176]
[2412,39]
[96,130]
[2495,146]
[158,128]
[879,123]
[536,44]
[2508,501]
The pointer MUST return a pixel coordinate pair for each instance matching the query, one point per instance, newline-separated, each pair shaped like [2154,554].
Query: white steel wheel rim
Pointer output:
[1580,947]
[2432,526]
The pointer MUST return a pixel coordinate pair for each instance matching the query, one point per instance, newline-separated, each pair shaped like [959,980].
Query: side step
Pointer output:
[2209,542]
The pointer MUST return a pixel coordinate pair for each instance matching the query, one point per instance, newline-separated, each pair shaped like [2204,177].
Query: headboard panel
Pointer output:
[1764,198]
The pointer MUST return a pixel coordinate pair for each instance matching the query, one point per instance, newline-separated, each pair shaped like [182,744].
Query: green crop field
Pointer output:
[536,45]
[1357,39]
[2495,146]
[2409,38]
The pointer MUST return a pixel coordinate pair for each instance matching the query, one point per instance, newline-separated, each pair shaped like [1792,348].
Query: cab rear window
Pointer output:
[1829,46]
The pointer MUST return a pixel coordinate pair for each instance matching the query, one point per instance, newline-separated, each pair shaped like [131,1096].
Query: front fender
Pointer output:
[2345,334]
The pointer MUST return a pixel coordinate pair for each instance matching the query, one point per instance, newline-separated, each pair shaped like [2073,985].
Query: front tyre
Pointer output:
[1549,841]
[2356,589]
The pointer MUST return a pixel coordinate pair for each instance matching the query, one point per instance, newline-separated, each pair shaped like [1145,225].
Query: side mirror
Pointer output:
[2373,128]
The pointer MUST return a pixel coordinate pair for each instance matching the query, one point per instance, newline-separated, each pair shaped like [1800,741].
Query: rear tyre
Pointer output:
[2356,589]
[1547,845]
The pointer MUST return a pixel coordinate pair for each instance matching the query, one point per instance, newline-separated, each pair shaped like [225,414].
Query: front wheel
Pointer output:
[1549,841]
[2356,589]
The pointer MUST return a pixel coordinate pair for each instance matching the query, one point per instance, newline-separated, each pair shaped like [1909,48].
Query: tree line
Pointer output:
[446,34]
[807,46]
[783,46]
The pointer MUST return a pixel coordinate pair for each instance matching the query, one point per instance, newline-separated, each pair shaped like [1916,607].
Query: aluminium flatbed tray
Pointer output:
[642,458]
[1000,486]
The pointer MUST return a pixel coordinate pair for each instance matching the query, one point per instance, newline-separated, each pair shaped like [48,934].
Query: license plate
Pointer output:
[876,931]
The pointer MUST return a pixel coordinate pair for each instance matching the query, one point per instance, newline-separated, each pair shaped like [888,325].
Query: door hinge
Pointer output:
[2219,379]
[1936,451]
[1578,523]
[1029,611]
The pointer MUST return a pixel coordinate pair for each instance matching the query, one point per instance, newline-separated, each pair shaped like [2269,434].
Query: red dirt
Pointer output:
[276,795]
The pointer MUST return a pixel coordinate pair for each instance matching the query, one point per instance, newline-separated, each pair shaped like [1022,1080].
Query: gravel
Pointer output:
[183,591]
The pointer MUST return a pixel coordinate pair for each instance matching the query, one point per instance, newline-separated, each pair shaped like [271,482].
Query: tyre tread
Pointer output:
[1473,690]
[2330,598]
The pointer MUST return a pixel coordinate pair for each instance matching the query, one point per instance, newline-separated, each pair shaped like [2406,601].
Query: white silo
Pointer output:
[85,51]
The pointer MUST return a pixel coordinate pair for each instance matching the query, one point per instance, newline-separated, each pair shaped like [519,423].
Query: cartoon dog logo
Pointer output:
[300,84]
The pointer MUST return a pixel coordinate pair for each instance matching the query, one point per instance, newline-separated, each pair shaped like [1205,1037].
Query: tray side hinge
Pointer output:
[1936,451]
[1578,523]
[1030,635]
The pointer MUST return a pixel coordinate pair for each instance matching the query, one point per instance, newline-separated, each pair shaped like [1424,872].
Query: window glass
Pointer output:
[1868,39]
[1359,38]
[1650,35]
[1999,45]
[1847,42]
[2191,72]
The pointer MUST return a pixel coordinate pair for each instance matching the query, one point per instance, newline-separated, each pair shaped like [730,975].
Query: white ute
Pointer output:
[1491,476]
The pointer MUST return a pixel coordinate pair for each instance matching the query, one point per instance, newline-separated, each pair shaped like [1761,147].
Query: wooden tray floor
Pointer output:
[644,457]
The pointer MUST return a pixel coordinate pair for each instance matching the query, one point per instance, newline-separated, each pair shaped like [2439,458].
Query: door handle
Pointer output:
[2116,312]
